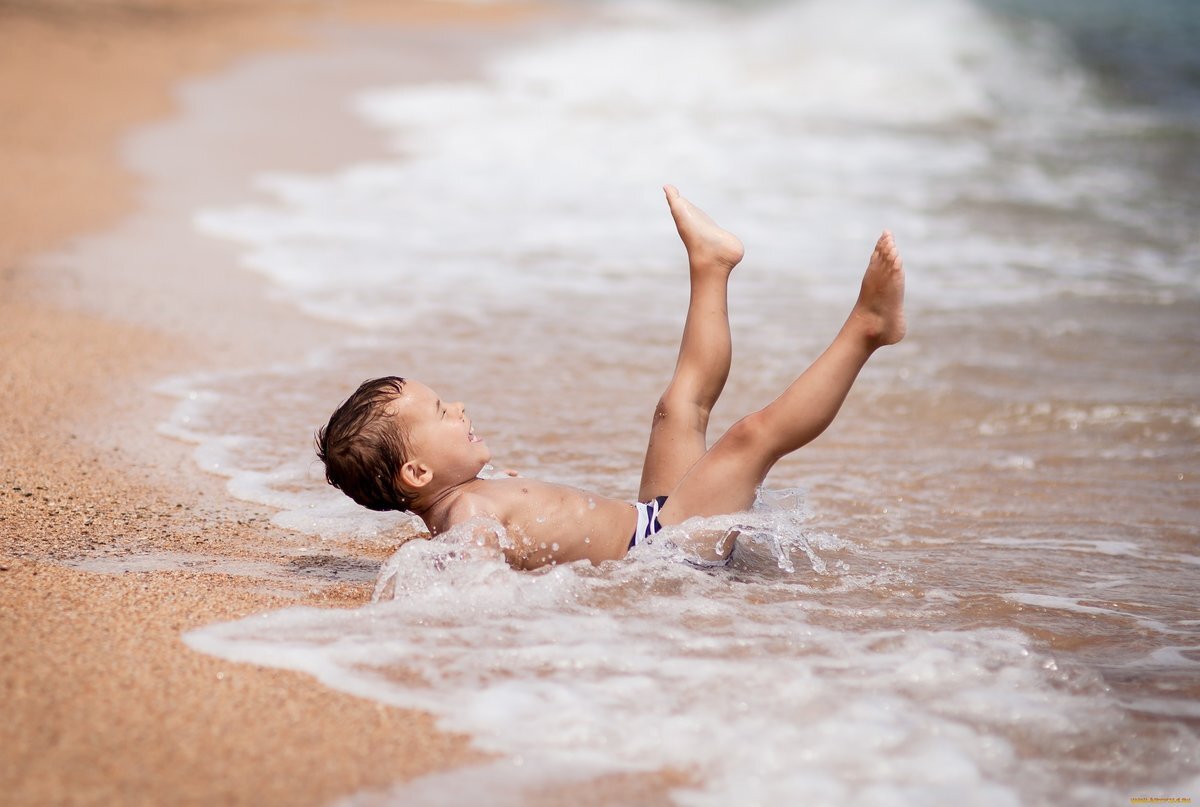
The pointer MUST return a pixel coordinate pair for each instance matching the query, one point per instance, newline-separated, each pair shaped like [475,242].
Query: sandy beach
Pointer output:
[103,701]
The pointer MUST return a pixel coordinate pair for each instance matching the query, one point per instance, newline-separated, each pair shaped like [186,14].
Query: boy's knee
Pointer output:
[750,434]
[680,409]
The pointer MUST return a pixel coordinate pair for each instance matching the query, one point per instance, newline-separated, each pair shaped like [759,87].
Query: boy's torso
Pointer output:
[546,522]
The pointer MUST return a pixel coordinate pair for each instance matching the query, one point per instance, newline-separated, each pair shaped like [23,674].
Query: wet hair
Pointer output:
[363,449]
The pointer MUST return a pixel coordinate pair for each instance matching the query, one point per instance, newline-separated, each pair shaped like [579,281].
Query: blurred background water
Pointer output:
[984,591]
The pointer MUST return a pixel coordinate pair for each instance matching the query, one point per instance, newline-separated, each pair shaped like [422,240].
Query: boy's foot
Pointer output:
[880,306]
[706,243]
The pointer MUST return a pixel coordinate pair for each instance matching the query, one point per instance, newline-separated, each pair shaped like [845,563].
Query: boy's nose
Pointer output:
[462,408]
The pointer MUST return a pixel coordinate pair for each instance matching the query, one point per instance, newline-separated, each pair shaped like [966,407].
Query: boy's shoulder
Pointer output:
[482,498]
[483,506]
[470,503]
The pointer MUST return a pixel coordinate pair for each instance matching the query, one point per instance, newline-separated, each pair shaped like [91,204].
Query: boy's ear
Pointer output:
[414,475]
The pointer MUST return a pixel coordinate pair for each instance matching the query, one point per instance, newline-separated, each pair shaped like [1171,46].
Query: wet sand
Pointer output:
[103,701]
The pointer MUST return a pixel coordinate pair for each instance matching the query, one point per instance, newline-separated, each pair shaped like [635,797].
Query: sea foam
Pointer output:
[809,130]
[737,680]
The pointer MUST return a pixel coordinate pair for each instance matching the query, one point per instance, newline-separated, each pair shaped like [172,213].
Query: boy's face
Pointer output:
[439,435]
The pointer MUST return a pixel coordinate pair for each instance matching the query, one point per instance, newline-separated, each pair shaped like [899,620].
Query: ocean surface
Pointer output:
[978,587]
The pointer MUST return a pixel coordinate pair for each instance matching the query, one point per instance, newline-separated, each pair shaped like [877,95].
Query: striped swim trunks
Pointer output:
[647,520]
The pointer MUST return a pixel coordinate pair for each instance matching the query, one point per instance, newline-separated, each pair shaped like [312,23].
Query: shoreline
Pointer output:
[105,702]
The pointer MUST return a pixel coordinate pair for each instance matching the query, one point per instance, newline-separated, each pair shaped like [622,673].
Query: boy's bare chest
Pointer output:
[557,523]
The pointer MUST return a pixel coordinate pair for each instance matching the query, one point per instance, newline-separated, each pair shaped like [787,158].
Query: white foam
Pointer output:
[648,664]
[804,129]
[1075,606]
[1111,548]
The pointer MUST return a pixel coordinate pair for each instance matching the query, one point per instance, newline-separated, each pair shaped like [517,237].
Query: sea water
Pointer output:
[978,587]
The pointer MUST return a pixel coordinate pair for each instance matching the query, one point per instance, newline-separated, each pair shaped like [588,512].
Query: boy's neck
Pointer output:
[432,507]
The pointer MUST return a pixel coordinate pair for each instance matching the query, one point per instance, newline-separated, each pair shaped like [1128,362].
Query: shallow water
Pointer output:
[984,592]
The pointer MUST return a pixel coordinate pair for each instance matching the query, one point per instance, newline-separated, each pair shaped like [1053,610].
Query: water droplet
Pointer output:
[554,546]
[591,504]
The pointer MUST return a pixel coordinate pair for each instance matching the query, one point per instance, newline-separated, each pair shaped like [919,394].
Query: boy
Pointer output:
[394,445]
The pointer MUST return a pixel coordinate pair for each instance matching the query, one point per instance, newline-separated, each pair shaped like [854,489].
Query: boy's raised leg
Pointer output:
[725,479]
[678,432]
